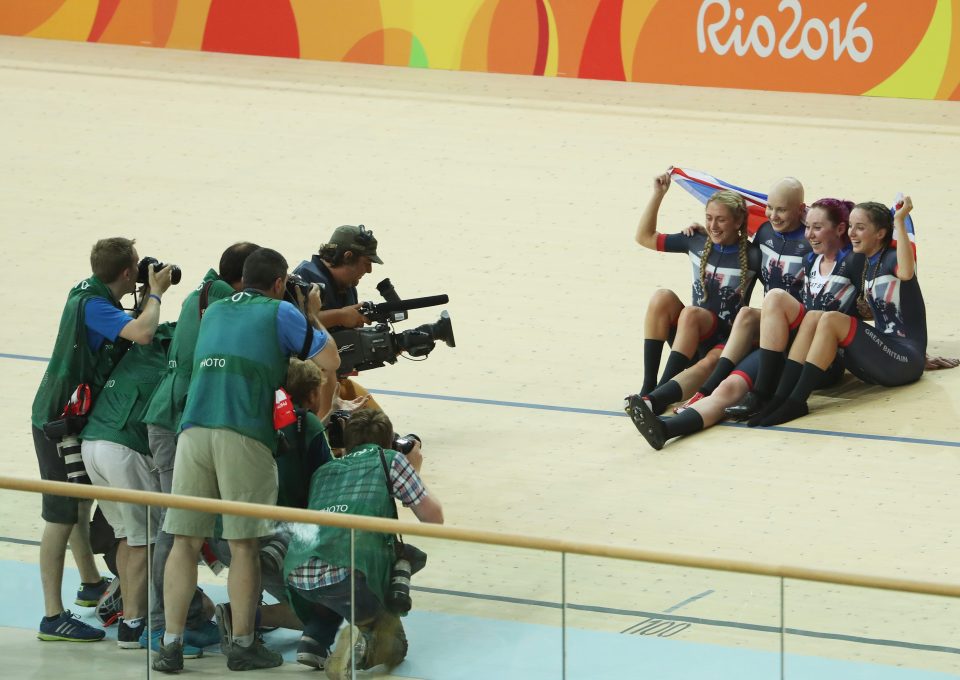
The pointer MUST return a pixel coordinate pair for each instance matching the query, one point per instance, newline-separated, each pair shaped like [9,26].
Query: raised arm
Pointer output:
[647,228]
[141,329]
[906,260]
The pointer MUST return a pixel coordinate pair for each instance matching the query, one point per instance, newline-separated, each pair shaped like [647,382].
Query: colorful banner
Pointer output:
[874,47]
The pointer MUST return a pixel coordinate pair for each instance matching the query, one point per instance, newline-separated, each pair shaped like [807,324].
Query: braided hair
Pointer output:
[738,210]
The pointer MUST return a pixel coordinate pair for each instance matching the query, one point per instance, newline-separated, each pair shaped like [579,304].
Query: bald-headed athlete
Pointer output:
[783,247]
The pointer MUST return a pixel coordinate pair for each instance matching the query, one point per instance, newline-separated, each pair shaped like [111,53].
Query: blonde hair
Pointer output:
[303,378]
[738,208]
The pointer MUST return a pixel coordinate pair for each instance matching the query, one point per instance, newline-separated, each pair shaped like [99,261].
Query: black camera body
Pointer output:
[296,282]
[143,270]
[65,432]
[338,421]
[364,348]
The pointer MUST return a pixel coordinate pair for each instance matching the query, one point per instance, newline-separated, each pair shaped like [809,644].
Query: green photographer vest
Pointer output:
[238,366]
[294,485]
[166,404]
[73,362]
[355,484]
[117,415]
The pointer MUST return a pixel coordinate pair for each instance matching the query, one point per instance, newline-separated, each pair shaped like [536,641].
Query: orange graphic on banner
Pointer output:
[831,46]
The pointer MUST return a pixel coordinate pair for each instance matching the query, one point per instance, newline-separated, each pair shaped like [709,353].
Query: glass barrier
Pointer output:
[634,619]
[475,611]
[849,632]
[23,607]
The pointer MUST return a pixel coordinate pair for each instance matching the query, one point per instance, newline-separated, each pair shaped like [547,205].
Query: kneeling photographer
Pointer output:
[365,481]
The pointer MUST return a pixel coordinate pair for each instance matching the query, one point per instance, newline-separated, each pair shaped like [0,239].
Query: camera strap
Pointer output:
[307,342]
[205,297]
[398,548]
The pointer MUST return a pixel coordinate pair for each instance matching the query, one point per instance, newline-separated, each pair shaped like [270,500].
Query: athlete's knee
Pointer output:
[731,389]
[664,299]
[747,315]
[834,324]
[777,299]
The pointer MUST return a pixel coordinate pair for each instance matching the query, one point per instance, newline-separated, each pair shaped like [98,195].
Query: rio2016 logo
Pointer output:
[813,40]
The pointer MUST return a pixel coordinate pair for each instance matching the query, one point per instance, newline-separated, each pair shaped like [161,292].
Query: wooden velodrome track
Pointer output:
[519,197]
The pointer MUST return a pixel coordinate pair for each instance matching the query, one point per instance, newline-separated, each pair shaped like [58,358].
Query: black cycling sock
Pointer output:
[685,422]
[723,369]
[676,363]
[652,351]
[664,395]
[776,401]
[791,409]
[810,377]
[789,377]
[768,375]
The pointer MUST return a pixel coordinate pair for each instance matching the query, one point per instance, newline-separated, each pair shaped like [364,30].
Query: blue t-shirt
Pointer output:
[292,331]
[103,321]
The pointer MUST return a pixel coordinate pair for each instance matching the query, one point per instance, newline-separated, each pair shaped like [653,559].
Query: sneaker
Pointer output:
[68,628]
[312,653]
[253,657]
[169,658]
[156,642]
[110,605]
[207,635]
[224,625]
[339,661]
[689,402]
[88,594]
[129,638]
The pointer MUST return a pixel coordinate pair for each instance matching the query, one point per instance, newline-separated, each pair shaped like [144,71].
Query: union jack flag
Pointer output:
[702,186]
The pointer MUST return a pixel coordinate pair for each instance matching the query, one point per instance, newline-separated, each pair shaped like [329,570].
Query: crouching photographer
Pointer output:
[365,481]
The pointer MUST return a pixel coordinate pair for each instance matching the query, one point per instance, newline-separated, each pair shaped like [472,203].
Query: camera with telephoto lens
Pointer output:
[364,348]
[64,431]
[397,598]
[143,270]
[410,560]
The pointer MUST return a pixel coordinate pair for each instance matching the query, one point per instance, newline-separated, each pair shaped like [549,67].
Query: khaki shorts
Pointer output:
[112,464]
[220,463]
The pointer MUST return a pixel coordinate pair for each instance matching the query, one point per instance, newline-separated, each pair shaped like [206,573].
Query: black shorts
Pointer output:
[55,509]
[716,337]
[749,368]
[881,359]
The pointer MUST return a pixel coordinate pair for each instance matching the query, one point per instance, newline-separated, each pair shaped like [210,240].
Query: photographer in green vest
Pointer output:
[94,333]
[304,445]
[162,418]
[226,447]
[116,453]
[317,567]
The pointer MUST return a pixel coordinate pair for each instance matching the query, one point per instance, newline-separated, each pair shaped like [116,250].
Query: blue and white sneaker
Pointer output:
[68,627]
[207,635]
[156,641]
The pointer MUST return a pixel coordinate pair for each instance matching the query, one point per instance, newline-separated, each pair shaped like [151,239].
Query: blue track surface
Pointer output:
[456,647]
